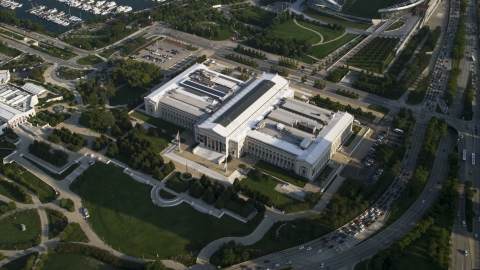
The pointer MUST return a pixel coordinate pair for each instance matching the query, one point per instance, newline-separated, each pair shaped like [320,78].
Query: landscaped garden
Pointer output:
[328,33]
[108,52]
[12,236]
[55,176]
[287,176]
[125,94]
[332,20]
[290,30]
[395,26]
[72,74]
[14,191]
[75,261]
[89,60]
[376,55]
[128,220]
[8,51]
[65,54]
[252,15]
[280,200]
[323,50]
[24,177]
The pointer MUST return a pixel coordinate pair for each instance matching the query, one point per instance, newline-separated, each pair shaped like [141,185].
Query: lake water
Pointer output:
[51,26]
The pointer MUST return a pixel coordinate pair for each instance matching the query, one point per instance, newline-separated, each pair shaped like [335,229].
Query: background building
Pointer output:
[16,105]
[259,118]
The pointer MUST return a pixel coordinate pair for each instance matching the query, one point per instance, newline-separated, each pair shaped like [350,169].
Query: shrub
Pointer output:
[68,204]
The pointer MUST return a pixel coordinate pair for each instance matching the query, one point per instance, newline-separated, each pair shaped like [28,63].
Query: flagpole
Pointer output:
[179,144]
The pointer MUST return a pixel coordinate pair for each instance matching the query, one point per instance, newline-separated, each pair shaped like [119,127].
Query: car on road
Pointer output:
[463,223]
[309,248]
[266,261]
[476,235]
[288,262]
[430,190]
[301,247]
[423,201]
[322,265]
[276,265]
[319,251]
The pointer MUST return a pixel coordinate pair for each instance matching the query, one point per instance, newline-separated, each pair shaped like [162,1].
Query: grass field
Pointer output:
[107,53]
[321,51]
[327,33]
[44,192]
[11,193]
[73,233]
[125,95]
[12,232]
[349,140]
[290,30]
[254,16]
[11,34]
[366,8]
[19,263]
[278,198]
[307,59]
[279,173]
[394,26]
[378,108]
[160,123]
[415,254]
[55,176]
[122,213]
[75,261]
[224,33]
[316,15]
[8,51]
[89,60]
[54,51]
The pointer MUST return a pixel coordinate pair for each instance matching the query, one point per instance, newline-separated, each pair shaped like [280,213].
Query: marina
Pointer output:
[98,8]
[10,4]
[53,16]
[59,26]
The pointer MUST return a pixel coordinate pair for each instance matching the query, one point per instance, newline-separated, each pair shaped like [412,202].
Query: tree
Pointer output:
[304,78]
[101,119]
[155,265]
[208,196]
[112,150]
[228,257]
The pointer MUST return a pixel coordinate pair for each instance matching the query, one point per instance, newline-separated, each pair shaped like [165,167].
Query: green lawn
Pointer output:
[125,95]
[290,30]
[316,15]
[73,233]
[327,33]
[56,176]
[321,51]
[366,8]
[349,140]
[12,233]
[89,60]
[307,59]
[11,193]
[416,254]
[378,108]
[8,51]
[224,33]
[122,213]
[11,34]
[107,53]
[160,123]
[18,263]
[279,173]
[54,51]
[281,200]
[394,26]
[44,192]
[75,261]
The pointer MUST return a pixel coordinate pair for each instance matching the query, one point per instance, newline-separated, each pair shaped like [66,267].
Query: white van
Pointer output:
[463,223]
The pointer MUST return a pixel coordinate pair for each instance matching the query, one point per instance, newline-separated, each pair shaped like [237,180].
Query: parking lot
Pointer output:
[168,54]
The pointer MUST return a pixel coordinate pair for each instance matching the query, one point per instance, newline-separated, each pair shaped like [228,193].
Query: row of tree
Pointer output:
[100,142]
[346,93]
[287,62]
[250,52]
[452,86]
[243,14]
[5,207]
[74,141]
[43,151]
[23,195]
[280,71]
[242,60]
[8,16]
[467,112]
[337,75]
[52,118]
[458,48]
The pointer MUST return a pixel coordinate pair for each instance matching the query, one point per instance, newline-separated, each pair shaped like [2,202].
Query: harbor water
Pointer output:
[22,13]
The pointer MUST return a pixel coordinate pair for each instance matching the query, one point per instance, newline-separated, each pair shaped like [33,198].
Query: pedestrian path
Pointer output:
[311,30]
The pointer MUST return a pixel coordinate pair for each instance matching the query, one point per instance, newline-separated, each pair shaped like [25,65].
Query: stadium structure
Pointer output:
[334,7]
[259,118]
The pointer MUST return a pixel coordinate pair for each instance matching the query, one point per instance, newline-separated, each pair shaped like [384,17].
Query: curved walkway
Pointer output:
[337,38]
[321,36]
